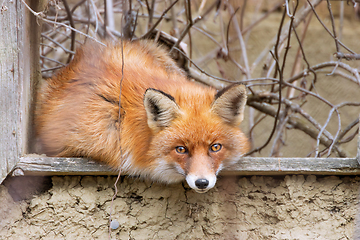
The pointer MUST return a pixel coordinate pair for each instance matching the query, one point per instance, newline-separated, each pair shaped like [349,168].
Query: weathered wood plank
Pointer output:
[283,166]
[30,72]
[19,69]
[35,165]
[9,83]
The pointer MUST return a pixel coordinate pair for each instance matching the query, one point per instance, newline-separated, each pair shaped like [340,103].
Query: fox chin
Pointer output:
[168,128]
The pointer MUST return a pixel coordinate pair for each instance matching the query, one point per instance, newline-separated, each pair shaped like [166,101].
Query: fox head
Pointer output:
[195,134]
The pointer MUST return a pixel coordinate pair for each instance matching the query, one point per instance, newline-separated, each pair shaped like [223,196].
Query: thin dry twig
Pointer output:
[41,15]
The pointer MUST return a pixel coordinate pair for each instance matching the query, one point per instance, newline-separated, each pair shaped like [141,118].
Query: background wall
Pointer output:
[257,207]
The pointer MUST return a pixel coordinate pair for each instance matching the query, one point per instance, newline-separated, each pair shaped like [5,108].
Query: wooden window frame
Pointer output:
[19,75]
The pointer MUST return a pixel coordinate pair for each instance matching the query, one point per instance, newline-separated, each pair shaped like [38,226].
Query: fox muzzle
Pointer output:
[201,184]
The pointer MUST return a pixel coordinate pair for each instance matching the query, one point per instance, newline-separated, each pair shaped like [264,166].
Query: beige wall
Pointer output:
[290,207]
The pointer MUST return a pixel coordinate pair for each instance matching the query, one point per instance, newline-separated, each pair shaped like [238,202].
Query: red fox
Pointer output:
[170,128]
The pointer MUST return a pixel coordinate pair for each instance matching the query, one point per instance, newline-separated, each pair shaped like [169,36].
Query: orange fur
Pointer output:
[77,115]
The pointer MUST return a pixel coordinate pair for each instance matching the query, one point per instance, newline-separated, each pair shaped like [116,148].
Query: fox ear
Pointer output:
[230,103]
[161,109]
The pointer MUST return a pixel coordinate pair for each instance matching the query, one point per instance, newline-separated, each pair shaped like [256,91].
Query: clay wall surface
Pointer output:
[254,207]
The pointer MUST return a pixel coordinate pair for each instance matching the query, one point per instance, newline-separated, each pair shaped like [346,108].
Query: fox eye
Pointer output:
[215,147]
[181,149]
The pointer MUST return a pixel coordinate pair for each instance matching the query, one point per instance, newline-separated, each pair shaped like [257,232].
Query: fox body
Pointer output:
[169,129]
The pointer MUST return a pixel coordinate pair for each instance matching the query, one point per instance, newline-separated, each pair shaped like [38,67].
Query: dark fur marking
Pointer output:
[80,83]
[154,109]
[73,80]
[235,105]
[167,95]
[108,100]
[222,91]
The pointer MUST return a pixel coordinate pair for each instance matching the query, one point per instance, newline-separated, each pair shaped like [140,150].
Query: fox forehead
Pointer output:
[195,130]
[194,100]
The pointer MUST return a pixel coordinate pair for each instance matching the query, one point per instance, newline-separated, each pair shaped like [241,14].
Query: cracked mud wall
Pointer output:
[256,207]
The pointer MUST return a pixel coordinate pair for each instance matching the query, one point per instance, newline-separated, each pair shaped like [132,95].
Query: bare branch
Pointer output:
[40,15]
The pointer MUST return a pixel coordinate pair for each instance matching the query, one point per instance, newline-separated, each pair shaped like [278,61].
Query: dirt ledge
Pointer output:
[290,207]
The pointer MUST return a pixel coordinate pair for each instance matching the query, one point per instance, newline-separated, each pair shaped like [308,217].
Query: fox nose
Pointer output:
[202,183]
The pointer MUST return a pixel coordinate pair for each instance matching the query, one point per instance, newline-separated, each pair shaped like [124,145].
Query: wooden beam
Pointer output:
[284,166]
[19,71]
[37,165]
[11,70]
